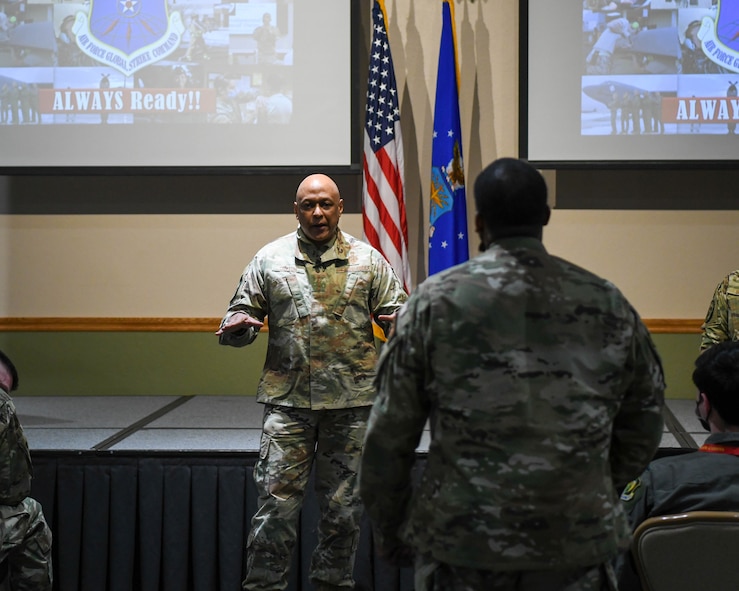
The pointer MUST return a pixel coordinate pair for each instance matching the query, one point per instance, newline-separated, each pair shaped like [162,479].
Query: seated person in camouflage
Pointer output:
[722,318]
[543,392]
[705,480]
[26,538]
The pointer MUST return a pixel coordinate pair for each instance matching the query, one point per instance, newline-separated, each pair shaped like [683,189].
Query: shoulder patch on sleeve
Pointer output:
[630,490]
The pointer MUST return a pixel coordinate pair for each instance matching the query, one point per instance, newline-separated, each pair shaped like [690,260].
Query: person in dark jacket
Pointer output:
[705,480]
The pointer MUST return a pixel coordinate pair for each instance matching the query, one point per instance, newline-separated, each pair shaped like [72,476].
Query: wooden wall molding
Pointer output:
[674,325]
[85,324]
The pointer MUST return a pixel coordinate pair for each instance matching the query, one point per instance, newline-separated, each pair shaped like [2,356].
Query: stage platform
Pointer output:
[154,493]
[144,423]
[204,423]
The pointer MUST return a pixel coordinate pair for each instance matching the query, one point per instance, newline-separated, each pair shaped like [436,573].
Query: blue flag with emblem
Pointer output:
[448,211]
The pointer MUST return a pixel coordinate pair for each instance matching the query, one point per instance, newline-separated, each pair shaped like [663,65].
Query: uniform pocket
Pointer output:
[264,446]
[352,307]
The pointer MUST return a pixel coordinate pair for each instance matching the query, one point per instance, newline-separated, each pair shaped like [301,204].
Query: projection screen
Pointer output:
[637,81]
[175,83]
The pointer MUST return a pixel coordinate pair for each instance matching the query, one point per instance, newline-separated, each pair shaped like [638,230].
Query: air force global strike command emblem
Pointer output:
[128,34]
[720,37]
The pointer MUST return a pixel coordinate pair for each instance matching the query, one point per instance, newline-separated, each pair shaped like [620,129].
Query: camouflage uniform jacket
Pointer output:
[543,392]
[320,301]
[15,458]
[722,318]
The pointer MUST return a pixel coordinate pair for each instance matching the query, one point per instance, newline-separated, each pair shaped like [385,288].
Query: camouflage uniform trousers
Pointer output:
[293,441]
[431,575]
[26,545]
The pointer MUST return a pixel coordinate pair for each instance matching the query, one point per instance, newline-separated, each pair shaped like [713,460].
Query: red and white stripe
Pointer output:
[383,204]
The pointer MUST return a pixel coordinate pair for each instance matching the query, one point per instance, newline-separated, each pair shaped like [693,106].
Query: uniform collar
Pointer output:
[515,242]
[335,249]
[726,437]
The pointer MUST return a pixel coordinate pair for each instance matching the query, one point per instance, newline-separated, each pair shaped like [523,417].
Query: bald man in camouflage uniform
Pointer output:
[24,535]
[544,396]
[722,318]
[321,288]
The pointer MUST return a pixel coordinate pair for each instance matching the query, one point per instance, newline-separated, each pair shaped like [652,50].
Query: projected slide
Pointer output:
[660,67]
[174,83]
[653,80]
[124,61]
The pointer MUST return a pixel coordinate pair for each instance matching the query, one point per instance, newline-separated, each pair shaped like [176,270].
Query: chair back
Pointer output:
[688,551]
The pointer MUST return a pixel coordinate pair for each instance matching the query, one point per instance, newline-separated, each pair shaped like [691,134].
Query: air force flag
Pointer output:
[448,211]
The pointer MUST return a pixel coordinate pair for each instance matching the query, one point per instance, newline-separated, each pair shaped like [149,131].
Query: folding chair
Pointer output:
[688,551]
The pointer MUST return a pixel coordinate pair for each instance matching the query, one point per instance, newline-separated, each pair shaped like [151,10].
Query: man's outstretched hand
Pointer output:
[239,321]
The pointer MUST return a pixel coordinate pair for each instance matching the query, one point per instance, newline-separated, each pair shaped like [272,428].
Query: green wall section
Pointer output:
[678,353]
[132,363]
[189,364]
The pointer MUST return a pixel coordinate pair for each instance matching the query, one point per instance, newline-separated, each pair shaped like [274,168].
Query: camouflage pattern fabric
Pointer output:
[431,575]
[15,458]
[544,394]
[722,318]
[318,373]
[320,302]
[290,445]
[26,543]
[24,534]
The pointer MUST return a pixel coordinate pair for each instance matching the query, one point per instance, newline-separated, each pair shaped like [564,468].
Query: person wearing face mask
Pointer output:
[708,479]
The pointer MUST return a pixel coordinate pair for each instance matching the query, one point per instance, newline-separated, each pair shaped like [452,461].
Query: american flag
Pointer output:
[383,203]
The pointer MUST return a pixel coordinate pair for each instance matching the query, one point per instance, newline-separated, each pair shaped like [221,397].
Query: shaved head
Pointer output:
[317,182]
[318,207]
